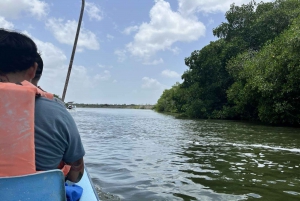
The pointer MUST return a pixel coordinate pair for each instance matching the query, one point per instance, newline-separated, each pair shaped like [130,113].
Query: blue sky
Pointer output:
[128,51]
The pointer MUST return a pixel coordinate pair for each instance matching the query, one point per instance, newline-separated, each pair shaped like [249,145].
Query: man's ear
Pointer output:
[30,73]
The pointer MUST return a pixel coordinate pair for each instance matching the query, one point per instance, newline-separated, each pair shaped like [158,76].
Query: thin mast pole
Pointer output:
[74,50]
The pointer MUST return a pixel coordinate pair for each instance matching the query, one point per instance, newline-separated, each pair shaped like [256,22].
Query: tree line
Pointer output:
[252,72]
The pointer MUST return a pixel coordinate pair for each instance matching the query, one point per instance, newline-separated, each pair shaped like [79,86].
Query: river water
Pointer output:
[141,155]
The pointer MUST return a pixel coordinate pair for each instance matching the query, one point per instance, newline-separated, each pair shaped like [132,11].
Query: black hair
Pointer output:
[39,70]
[17,52]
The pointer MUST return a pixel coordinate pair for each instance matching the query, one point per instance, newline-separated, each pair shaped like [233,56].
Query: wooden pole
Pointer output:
[73,52]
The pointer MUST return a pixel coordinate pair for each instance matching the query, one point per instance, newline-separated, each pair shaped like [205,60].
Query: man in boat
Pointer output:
[39,70]
[38,75]
[56,137]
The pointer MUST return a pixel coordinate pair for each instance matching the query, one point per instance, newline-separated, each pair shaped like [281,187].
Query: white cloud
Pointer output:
[80,80]
[101,66]
[93,11]
[169,73]
[104,66]
[52,56]
[188,7]
[115,25]
[15,8]
[103,76]
[210,22]
[55,71]
[55,68]
[109,37]
[5,24]
[155,62]
[121,55]
[65,32]
[131,29]
[175,50]
[150,83]
[30,26]
[164,29]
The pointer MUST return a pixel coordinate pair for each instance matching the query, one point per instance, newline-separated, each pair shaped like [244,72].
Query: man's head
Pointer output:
[39,70]
[18,55]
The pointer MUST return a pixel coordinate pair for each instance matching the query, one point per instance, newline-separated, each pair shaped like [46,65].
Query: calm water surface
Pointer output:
[142,155]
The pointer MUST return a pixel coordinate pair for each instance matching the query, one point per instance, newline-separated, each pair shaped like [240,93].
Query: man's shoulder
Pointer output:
[52,111]
[59,101]
[48,104]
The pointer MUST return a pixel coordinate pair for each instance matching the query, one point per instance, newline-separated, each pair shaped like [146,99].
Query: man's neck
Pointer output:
[3,78]
[13,77]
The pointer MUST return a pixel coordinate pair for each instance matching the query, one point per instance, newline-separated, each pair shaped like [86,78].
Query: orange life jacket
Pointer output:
[17,149]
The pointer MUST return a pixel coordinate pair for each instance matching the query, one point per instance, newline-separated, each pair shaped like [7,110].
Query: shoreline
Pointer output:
[256,122]
[117,106]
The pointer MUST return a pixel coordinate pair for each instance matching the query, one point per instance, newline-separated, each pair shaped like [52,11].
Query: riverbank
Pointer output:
[245,121]
[117,106]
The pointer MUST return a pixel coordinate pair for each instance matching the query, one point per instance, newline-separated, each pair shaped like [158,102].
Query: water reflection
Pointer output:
[141,155]
[226,162]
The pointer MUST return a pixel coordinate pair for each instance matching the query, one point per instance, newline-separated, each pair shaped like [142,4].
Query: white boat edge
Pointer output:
[89,191]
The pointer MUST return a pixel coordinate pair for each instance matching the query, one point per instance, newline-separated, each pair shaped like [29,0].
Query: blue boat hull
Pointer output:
[46,186]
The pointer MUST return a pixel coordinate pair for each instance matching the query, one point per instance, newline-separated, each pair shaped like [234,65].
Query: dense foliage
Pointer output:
[252,72]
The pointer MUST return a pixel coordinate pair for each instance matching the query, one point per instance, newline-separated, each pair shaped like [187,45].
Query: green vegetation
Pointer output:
[252,72]
[56,96]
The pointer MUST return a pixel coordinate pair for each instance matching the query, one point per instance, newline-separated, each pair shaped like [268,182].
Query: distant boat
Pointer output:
[71,107]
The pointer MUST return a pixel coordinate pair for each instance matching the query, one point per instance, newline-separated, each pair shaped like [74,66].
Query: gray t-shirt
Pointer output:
[56,135]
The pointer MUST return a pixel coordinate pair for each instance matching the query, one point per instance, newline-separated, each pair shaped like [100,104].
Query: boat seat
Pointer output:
[44,186]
